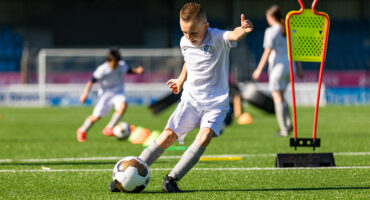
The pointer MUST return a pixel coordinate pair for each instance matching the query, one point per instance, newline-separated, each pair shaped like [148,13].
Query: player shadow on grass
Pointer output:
[264,190]
[58,163]
[66,163]
[281,189]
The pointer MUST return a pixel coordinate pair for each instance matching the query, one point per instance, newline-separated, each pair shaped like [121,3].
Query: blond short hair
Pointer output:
[192,11]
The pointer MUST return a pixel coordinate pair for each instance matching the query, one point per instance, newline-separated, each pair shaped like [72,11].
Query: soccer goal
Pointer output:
[63,73]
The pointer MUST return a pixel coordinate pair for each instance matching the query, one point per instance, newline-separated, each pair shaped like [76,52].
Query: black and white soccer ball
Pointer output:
[122,130]
[131,174]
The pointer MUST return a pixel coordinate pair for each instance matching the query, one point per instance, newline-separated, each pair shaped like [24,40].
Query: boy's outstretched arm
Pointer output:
[137,70]
[176,84]
[86,91]
[264,59]
[246,26]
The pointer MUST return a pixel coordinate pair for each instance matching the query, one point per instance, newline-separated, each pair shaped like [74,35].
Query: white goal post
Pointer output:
[63,73]
[146,54]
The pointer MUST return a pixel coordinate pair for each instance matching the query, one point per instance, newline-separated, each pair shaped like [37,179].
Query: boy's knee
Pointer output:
[205,136]
[166,139]
[94,118]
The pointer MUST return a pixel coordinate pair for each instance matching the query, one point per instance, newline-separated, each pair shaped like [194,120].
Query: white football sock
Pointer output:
[288,121]
[187,161]
[114,120]
[151,153]
[86,125]
[279,112]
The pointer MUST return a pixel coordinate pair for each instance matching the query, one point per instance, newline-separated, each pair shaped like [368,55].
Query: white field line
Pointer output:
[163,157]
[196,169]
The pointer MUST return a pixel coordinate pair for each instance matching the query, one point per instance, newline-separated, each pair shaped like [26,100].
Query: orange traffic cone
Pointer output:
[139,135]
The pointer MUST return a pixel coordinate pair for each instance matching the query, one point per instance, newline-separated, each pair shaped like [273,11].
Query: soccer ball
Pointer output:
[131,174]
[122,130]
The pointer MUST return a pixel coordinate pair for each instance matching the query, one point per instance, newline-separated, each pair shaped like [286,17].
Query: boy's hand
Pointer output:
[241,31]
[174,85]
[139,70]
[83,98]
[256,74]
[247,25]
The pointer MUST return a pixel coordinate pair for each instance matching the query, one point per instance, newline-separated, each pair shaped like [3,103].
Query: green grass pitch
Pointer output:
[49,133]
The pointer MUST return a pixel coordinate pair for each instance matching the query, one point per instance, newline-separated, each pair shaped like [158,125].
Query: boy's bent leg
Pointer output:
[151,153]
[120,107]
[82,131]
[192,155]
[117,115]
[108,129]
[205,136]
[288,121]
[279,112]
[89,122]
[167,138]
[155,150]
[188,160]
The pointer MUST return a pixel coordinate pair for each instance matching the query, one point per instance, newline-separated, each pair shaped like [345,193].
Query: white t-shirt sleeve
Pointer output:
[227,41]
[123,66]
[269,40]
[182,41]
[98,73]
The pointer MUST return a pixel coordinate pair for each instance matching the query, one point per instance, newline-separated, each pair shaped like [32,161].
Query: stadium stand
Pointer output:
[11,45]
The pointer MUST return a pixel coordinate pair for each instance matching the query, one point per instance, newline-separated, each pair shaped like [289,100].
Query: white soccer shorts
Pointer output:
[279,77]
[187,117]
[105,103]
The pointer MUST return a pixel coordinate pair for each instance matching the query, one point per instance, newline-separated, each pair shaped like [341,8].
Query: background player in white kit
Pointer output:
[204,101]
[111,93]
[276,55]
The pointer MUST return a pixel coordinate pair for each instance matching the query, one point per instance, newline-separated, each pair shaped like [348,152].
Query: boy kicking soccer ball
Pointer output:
[110,76]
[205,98]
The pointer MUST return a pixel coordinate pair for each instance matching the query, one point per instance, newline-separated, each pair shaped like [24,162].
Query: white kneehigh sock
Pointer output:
[114,120]
[187,161]
[279,112]
[86,125]
[151,153]
[287,119]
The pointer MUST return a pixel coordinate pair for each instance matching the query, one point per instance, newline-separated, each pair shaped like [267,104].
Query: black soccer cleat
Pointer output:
[113,187]
[170,185]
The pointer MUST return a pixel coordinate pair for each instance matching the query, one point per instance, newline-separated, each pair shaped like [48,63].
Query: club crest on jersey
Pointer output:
[207,49]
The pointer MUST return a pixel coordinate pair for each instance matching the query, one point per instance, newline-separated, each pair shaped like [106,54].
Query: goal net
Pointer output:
[63,73]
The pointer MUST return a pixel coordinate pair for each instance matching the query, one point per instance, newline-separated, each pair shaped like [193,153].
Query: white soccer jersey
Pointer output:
[111,80]
[278,43]
[207,64]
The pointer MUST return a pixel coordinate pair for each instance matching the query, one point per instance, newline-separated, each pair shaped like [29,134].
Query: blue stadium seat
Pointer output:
[11,66]
[11,46]
[2,66]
